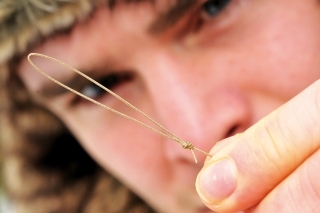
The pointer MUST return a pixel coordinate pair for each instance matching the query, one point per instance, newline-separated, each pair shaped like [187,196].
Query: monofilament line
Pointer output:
[166,133]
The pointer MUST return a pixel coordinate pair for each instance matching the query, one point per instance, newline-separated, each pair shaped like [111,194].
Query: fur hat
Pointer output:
[25,22]
[39,174]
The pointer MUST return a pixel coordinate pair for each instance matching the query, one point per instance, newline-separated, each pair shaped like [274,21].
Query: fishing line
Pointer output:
[166,133]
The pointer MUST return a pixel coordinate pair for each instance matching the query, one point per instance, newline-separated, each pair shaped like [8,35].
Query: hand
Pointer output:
[274,166]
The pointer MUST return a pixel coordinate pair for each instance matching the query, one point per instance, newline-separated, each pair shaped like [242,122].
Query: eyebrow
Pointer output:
[171,16]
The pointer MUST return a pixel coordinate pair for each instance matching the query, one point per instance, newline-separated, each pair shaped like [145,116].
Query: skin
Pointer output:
[204,83]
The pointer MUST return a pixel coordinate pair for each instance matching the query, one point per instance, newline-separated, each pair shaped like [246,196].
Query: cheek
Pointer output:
[271,50]
[117,144]
[287,47]
[125,149]
[119,147]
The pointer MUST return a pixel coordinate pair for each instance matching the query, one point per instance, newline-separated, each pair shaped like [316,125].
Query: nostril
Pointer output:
[232,131]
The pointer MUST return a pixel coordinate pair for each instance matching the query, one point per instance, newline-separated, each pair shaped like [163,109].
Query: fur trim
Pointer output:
[23,22]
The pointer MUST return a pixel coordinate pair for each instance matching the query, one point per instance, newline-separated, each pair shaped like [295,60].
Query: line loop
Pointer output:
[163,131]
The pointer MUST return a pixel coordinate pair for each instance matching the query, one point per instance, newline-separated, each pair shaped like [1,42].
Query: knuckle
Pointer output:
[277,147]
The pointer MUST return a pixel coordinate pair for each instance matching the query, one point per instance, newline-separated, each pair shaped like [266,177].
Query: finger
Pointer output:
[300,192]
[246,167]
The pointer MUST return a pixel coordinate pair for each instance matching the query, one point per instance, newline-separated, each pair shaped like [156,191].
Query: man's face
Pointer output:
[204,77]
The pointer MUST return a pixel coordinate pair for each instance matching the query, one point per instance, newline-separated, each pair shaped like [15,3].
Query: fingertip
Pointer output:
[217,181]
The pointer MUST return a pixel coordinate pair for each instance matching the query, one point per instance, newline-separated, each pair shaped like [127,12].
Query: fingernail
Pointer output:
[217,181]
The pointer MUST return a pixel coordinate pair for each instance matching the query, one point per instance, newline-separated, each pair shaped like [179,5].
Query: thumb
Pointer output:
[246,167]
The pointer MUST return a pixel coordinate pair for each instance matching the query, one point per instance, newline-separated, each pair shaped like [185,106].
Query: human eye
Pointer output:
[212,8]
[207,11]
[214,15]
[111,81]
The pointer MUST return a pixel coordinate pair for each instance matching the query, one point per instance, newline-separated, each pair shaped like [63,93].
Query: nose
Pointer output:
[194,103]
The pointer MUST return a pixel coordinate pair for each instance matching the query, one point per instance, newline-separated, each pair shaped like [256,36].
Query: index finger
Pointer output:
[246,167]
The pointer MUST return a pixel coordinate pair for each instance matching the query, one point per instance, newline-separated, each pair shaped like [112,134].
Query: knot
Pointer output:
[187,145]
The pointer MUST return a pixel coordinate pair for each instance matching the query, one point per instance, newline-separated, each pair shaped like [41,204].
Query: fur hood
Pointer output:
[25,22]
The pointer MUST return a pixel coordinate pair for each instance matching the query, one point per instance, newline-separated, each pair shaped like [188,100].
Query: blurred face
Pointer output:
[205,71]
